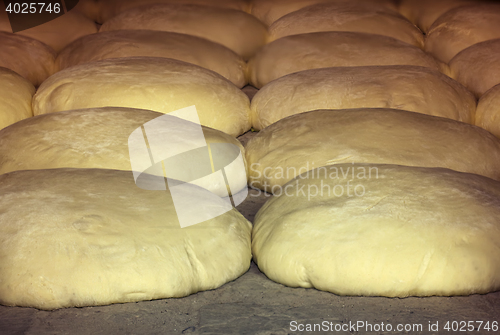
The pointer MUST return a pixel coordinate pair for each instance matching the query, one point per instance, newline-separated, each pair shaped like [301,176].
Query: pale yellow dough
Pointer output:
[347,16]
[407,231]
[309,140]
[488,111]
[236,30]
[412,88]
[15,97]
[268,11]
[56,33]
[462,27]
[26,56]
[132,43]
[328,49]
[86,237]
[158,84]
[478,66]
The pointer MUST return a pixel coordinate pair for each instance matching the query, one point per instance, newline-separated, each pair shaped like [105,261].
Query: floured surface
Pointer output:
[488,111]
[347,16]
[416,89]
[405,232]
[462,27]
[328,49]
[158,84]
[101,240]
[247,33]
[478,66]
[309,140]
[15,97]
[149,43]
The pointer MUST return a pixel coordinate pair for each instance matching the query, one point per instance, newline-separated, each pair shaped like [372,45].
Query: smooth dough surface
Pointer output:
[488,111]
[309,140]
[59,32]
[268,11]
[236,30]
[347,16]
[413,88]
[408,232]
[99,138]
[149,43]
[30,58]
[15,97]
[462,27]
[423,13]
[478,66]
[87,237]
[158,84]
[329,49]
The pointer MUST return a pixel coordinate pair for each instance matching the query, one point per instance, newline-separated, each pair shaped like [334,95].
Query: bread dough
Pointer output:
[413,88]
[347,16]
[87,237]
[462,27]
[30,58]
[268,11]
[59,32]
[478,66]
[129,43]
[328,49]
[423,13]
[397,232]
[309,140]
[15,97]
[236,30]
[110,8]
[488,111]
[158,84]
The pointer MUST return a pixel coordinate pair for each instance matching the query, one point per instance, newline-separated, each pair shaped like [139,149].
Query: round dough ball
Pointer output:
[347,16]
[478,66]
[130,43]
[268,11]
[99,138]
[26,56]
[15,98]
[329,49]
[59,32]
[89,237]
[413,88]
[158,84]
[423,13]
[462,27]
[309,140]
[488,111]
[236,30]
[383,230]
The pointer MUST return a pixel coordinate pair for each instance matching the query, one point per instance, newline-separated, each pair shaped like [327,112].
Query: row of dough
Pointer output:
[166,85]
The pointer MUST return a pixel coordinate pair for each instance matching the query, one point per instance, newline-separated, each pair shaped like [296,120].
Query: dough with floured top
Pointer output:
[15,97]
[488,111]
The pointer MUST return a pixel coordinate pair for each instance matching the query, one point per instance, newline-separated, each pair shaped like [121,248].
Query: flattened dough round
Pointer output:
[410,232]
[149,43]
[329,49]
[87,237]
[462,27]
[30,58]
[347,16]
[478,66]
[236,30]
[309,140]
[158,84]
[99,138]
[268,11]
[488,111]
[15,97]
[413,88]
